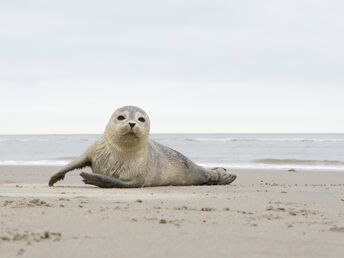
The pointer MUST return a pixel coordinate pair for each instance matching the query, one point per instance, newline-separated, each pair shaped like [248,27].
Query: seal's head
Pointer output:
[128,127]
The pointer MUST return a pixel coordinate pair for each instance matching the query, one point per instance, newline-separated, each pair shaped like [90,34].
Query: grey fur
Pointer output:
[125,156]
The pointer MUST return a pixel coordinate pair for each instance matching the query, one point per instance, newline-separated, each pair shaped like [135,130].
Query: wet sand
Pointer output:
[263,214]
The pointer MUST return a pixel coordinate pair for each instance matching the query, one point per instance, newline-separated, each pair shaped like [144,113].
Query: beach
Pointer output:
[264,213]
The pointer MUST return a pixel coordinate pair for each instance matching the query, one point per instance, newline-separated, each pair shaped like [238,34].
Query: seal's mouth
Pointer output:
[131,134]
[128,134]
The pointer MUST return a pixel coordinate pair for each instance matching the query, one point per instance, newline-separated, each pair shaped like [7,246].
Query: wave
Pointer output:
[261,166]
[263,140]
[34,162]
[300,162]
[69,158]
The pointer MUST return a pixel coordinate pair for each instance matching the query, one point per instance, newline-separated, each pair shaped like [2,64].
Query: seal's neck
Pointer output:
[127,146]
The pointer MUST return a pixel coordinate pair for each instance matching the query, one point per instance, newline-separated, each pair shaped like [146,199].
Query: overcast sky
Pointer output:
[194,66]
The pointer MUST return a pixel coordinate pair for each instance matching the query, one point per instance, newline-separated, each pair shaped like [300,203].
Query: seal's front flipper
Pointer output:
[78,163]
[106,181]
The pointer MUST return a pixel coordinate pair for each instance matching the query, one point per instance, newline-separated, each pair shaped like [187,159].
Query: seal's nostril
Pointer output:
[132,124]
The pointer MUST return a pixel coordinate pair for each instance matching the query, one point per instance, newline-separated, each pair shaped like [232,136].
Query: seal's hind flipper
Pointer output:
[226,179]
[105,181]
[220,176]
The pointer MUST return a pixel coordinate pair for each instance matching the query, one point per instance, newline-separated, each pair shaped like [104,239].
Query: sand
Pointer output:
[263,214]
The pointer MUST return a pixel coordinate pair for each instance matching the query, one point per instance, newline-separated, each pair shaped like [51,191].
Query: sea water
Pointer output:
[247,151]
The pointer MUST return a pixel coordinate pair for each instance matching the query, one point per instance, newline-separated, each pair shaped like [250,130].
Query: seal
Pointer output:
[125,156]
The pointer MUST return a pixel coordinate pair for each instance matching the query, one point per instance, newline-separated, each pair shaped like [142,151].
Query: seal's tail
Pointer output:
[220,176]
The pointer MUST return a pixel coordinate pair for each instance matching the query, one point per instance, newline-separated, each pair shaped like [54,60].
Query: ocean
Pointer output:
[246,151]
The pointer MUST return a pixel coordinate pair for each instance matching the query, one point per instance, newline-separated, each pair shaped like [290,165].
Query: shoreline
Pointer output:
[261,214]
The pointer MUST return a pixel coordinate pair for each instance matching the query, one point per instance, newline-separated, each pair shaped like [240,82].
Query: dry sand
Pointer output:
[263,214]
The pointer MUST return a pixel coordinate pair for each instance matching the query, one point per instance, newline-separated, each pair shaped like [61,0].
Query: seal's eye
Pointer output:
[141,119]
[120,118]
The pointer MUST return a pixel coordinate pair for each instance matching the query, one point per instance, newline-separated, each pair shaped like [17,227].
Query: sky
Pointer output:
[241,66]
